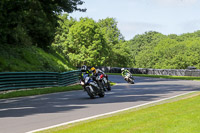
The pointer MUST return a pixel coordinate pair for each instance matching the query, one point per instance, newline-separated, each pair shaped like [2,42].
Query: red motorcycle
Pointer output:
[103,78]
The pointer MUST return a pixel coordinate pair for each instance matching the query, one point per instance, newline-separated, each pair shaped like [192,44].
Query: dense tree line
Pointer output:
[25,22]
[154,50]
[100,43]
[89,42]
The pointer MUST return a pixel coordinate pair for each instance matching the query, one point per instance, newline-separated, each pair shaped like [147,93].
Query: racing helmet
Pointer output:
[122,69]
[83,68]
[93,70]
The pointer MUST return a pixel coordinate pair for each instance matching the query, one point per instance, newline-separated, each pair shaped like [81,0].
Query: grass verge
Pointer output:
[112,83]
[31,58]
[178,116]
[162,76]
[39,91]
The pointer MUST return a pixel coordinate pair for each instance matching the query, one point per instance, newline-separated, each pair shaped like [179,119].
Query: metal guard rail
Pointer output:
[22,80]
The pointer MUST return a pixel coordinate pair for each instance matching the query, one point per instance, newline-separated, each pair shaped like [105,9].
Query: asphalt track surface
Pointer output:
[20,115]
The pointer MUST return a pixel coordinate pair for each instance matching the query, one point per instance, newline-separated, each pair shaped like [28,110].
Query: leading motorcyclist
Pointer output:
[84,70]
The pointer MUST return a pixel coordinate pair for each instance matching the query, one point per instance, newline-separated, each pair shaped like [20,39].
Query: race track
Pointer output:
[19,115]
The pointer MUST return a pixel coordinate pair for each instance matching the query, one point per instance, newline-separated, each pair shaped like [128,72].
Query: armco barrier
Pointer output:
[21,80]
[68,78]
[174,72]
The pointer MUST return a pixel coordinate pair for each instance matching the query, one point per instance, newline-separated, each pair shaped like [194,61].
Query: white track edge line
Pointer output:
[95,116]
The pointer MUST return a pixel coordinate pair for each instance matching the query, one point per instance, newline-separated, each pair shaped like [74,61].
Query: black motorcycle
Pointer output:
[92,87]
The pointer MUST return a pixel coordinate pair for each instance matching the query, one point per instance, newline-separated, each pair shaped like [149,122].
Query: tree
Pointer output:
[86,44]
[113,37]
[60,40]
[121,55]
[32,22]
[170,52]
[141,46]
[110,30]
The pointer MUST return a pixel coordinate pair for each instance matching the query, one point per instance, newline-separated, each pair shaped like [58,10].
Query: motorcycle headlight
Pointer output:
[82,83]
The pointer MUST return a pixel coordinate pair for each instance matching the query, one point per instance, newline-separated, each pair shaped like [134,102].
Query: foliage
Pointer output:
[101,44]
[32,22]
[154,50]
[31,58]
[110,30]
[82,42]
[114,41]
[121,55]
[140,43]
[86,43]
[60,40]
[89,42]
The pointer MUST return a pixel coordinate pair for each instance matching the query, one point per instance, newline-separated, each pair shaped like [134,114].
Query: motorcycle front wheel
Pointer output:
[102,94]
[101,91]
[108,88]
[131,80]
[92,96]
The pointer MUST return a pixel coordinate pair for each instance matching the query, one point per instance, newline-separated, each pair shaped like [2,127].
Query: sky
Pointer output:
[140,16]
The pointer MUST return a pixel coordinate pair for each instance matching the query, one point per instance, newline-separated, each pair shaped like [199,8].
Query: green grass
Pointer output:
[31,58]
[37,91]
[181,116]
[162,76]
[112,83]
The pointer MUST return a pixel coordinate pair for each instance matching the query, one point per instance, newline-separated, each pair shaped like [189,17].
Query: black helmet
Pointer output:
[83,68]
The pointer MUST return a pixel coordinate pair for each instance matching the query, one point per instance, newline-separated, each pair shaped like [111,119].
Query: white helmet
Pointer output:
[122,69]
[83,68]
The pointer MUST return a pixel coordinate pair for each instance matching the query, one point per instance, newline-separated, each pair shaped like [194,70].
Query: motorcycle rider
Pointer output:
[84,70]
[104,81]
[96,72]
[124,72]
[92,92]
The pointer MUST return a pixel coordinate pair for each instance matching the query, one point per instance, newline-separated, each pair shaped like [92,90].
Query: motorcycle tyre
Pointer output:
[109,88]
[92,96]
[102,93]
[103,84]
[105,87]
[130,80]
